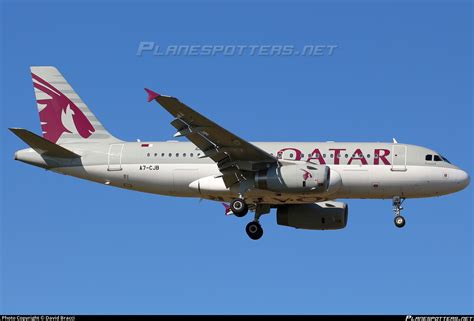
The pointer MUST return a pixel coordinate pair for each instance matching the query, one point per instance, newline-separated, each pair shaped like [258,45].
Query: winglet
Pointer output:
[151,94]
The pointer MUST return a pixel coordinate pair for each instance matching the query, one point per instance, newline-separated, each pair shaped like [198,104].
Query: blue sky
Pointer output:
[400,69]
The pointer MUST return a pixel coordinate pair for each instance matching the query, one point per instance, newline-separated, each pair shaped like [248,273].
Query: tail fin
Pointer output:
[64,116]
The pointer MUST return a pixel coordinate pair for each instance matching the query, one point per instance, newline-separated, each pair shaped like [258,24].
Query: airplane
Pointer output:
[303,181]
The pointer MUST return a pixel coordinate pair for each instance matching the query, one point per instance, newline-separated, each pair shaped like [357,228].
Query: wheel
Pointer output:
[239,207]
[399,221]
[254,230]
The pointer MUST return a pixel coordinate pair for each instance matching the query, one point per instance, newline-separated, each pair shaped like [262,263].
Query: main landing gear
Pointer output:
[254,230]
[397,202]
[239,207]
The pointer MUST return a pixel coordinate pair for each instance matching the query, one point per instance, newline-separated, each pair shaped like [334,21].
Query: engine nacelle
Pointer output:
[210,185]
[294,178]
[327,215]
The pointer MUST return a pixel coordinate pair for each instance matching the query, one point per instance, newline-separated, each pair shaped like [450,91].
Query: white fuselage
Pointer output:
[359,170]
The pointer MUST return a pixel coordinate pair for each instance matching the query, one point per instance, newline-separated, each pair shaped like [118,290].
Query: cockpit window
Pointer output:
[436,158]
[445,159]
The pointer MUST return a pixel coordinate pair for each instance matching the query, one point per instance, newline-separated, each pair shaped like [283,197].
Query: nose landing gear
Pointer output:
[399,221]
[397,202]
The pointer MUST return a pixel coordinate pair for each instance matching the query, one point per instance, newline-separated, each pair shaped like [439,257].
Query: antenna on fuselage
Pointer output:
[395,141]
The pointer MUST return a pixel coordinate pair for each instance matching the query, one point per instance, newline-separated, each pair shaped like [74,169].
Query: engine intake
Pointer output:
[327,215]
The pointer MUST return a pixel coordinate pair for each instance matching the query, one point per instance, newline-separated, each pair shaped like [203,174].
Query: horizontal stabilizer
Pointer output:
[42,145]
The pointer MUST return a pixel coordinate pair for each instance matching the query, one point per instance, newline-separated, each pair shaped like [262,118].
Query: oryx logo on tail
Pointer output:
[59,114]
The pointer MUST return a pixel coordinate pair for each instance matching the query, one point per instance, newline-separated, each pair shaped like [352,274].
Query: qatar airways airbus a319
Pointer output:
[301,180]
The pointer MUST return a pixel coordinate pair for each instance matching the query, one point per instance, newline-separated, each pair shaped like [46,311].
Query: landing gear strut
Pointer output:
[397,202]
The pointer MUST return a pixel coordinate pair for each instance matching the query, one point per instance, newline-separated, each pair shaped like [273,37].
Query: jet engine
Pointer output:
[294,178]
[327,215]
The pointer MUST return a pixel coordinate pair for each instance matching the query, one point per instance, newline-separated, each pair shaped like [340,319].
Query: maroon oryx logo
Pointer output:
[54,115]
[306,175]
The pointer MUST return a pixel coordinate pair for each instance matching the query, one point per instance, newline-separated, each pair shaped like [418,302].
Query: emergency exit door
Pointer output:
[115,157]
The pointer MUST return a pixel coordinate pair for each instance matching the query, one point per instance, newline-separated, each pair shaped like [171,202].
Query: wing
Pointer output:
[235,157]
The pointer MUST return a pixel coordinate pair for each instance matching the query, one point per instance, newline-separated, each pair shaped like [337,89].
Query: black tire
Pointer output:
[254,230]
[239,207]
[399,221]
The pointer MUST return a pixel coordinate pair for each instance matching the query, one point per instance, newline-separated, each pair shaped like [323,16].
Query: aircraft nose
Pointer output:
[466,179]
[462,178]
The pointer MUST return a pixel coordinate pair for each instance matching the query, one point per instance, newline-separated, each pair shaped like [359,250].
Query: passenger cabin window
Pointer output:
[437,158]
[429,157]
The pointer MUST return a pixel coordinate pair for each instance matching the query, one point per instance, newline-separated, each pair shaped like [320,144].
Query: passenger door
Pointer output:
[399,157]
